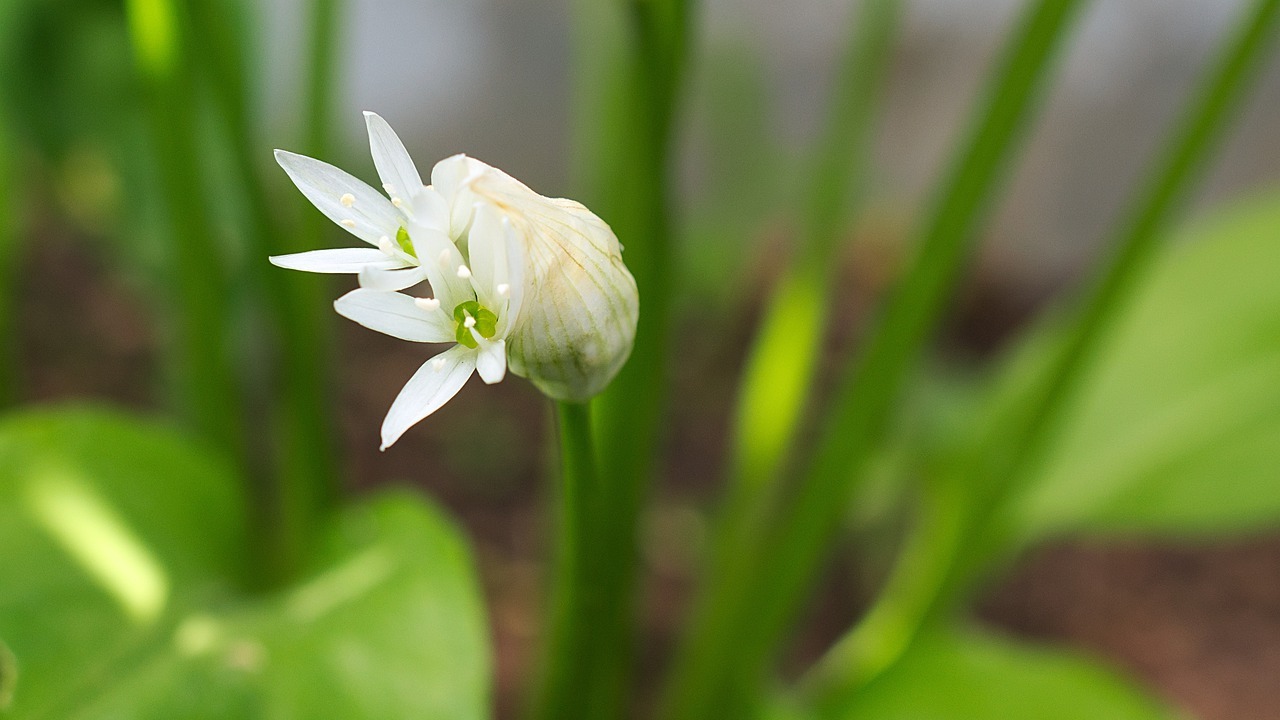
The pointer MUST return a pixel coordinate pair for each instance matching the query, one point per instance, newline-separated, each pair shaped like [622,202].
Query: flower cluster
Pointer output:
[518,281]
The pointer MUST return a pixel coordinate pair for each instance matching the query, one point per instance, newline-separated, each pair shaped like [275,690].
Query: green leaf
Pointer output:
[8,676]
[122,594]
[963,676]
[1177,425]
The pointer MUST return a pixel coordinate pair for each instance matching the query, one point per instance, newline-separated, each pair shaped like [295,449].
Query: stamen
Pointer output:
[469,323]
[347,200]
[397,201]
[444,258]
[504,290]
[348,223]
[464,272]
[437,364]
[428,304]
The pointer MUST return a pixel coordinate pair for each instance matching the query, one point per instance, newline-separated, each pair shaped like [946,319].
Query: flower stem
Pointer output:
[630,182]
[575,593]
[945,558]
[755,614]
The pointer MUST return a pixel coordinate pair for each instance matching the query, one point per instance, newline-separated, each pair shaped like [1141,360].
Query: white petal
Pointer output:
[432,210]
[430,387]
[491,359]
[394,165]
[448,175]
[384,280]
[396,315]
[517,265]
[451,178]
[440,260]
[488,260]
[338,260]
[370,215]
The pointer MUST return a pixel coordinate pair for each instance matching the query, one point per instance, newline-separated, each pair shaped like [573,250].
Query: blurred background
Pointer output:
[1199,622]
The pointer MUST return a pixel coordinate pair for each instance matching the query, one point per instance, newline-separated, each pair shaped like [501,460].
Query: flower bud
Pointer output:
[578,320]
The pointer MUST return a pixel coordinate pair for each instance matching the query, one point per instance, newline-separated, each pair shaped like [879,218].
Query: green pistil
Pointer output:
[402,239]
[486,322]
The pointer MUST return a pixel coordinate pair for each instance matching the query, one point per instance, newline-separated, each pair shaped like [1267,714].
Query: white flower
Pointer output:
[518,278]
[410,223]
[476,305]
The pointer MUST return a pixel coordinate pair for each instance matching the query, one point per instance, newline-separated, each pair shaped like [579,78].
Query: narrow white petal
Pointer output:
[394,165]
[370,215]
[338,260]
[432,210]
[433,385]
[451,177]
[491,359]
[448,175]
[391,280]
[440,261]
[395,315]
[488,259]
[517,265]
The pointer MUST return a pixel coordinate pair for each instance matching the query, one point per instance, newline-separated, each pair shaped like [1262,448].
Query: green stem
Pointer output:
[633,181]
[206,377]
[10,237]
[781,362]
[321,81]
[306,480]
[576,598]
[930,582]
[790,553]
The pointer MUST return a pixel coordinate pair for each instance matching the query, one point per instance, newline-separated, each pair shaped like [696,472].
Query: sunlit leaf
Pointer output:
[123,546]
[972,676]
[1177,426]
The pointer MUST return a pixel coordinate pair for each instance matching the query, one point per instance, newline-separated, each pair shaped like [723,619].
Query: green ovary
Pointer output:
[486,322]
[402,239]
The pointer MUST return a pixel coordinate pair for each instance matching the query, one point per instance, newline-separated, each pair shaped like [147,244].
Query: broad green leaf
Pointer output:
[106,526]
[973,676]
[122,552]
[1177,425]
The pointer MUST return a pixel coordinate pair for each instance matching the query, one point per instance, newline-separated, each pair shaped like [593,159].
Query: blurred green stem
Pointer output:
[632,184]
[306,480]
[789,553]
[204,369]
[781,362]
[10,237]
[576,598]
[945,561]
[321,80]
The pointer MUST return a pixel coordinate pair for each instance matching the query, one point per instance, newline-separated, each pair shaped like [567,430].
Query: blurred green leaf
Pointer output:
[124,546]
[8,675]
[963,676]
[1177,425]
